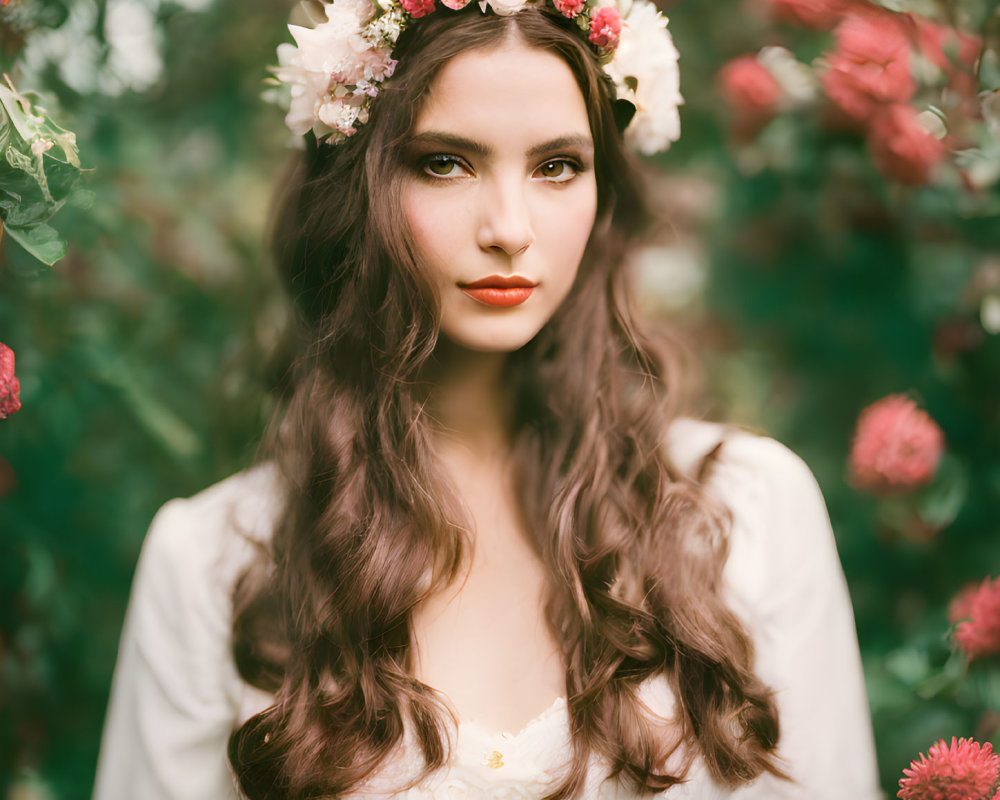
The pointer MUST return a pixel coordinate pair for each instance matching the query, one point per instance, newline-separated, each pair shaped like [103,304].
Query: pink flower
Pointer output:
[750,90]
[417,8]
[569,8]
[960,606]
[10,386]
[979,634]
[900,146]
[605,27]
[455,5]
[871,65]
[965,770]
[820,15]
[896,446]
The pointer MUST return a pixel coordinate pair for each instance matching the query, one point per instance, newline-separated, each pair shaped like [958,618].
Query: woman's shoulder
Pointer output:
[215,533]
[780,526]
[739,457]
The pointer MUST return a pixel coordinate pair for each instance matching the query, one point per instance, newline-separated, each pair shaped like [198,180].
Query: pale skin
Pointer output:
[502,184]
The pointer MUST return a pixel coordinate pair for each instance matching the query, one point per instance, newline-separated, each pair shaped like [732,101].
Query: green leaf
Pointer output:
[18,108]
[25,215]
[42,241]
[32,166]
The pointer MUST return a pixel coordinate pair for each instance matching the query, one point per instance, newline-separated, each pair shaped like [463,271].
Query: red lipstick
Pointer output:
[499,290]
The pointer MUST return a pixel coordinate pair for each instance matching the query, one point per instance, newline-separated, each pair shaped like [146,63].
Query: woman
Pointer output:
[482,514]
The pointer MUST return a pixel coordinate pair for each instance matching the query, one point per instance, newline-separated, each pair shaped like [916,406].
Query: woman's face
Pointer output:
[500,194]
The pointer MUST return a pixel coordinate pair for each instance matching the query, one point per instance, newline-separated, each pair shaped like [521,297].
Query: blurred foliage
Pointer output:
[814,283]
[828,287]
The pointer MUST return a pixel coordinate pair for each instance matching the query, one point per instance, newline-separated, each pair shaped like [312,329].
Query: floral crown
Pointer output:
[335,68]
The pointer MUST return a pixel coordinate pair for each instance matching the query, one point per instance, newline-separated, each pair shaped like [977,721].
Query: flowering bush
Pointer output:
[963,770]
[10,386]
[906,83]
[896,446]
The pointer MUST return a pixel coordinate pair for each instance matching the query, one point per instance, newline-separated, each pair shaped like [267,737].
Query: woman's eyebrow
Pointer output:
[561,143]
[451,140]
[458,142]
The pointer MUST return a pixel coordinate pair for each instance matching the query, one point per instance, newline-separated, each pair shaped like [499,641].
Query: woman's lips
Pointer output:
[495,296]
[499,290]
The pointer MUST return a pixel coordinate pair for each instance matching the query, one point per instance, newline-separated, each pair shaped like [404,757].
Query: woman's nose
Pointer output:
[506,218]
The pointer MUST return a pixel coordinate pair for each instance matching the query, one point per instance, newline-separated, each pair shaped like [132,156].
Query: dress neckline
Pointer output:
[555,711]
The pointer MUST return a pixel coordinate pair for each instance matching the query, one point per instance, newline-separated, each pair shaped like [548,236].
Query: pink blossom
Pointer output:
[960,606]
[979,634]
[750,90]
[896,446]
[455,5]
[900,146]
[871,66]
[605,27]
[10,386]
[417,8]
[965,770]
[569,8]
[819,15]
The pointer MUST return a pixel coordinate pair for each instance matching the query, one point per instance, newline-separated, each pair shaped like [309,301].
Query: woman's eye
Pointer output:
[558,170]
[443,167]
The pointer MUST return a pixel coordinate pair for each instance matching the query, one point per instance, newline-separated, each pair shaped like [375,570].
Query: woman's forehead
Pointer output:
[503,92]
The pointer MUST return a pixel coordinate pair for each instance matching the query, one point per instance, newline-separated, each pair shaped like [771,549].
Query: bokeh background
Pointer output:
[820,260]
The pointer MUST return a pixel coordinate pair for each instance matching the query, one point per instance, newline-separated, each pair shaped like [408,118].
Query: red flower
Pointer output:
[900,146]
[820,15]
[10,386]
[979,635]
[896,446]
[871,66]
[417,8]
[965,770]
[605,27]
[569,8]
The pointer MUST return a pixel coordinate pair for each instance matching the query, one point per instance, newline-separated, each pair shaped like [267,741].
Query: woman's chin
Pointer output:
[489,341]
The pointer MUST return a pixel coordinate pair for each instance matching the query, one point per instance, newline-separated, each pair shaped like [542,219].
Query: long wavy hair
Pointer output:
[633,547]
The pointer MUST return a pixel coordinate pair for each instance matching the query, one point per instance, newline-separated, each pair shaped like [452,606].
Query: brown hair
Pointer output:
[634,548]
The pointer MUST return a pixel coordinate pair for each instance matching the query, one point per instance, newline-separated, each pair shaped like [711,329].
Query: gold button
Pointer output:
[493,760]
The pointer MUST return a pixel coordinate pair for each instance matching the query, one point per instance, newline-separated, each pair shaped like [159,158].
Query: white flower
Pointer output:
[339,116]
[326,65]
[503,8]
[644,69]
[385,29]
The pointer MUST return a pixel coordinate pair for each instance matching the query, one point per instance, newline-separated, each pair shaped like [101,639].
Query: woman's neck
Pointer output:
[469,400]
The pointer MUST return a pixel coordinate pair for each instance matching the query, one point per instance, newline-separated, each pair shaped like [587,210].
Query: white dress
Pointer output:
[176,695]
